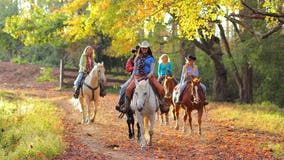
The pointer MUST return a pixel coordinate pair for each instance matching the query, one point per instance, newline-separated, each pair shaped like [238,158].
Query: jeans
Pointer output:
[123,88]
[78,80]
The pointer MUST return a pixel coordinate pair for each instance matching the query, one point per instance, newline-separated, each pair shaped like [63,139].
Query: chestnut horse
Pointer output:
[193,98]
[169,85]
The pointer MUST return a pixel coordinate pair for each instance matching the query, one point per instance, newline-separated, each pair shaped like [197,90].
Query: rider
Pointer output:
[144,64]
[130,62]
[189,71]
[165,68]
[129,68]
[85,66]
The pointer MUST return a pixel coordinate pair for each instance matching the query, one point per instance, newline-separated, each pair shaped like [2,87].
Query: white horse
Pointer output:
[145,104]
[90,92]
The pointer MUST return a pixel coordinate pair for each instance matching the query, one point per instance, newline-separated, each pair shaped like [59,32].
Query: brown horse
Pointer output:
[193,98]
[169,85]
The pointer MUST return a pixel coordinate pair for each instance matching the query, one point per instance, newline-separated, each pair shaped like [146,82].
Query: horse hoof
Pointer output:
[167,123]
[143,148]
[176,128]
[130,136]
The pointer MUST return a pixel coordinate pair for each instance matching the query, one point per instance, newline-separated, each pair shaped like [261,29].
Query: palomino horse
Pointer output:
[145,103]
[193,98]
[91,92]
[169,85]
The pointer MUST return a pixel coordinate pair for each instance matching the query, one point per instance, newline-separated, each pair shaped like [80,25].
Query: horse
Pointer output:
[192,99]
[145,103]
[169,85]
[90,92]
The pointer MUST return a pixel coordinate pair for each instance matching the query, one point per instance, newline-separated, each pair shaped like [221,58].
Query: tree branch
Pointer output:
[262,12]
[201,46]
[254,32]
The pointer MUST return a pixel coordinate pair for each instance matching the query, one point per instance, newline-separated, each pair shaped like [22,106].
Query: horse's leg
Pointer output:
[130,123]
[146,127]
[167,118]
[184,120]
[174,111]
[190,120]
[142,130]
[162,118]
[200,112]
[132,126]
[151,130]
[87,101]
[95,104]
[138,132]
[81,99]
[177,116]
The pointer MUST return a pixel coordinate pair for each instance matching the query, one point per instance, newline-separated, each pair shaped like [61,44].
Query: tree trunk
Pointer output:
[213,49]
[220,80]
[247,96]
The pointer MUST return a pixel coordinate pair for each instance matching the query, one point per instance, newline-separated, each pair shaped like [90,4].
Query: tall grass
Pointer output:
[265,117]
[30,129]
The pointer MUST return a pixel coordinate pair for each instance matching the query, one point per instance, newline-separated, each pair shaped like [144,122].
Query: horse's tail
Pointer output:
[77,104]
[146,126]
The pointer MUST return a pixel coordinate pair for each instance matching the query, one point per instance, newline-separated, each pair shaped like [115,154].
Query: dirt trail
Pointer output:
[97,140]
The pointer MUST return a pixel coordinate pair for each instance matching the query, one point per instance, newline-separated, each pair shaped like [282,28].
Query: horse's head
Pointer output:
[101,72]
[196,91]
[169,85]
[141,94]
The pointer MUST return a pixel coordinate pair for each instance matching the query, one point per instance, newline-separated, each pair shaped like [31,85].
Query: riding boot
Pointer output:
[126,105]
[77,92]
[120,103]
[163,106]
[102,89]
[162,100]
[205,102]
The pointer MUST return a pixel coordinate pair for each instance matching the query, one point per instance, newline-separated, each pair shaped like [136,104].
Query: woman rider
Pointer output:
[165,68]
[85,66]
[144,65]
[189,71]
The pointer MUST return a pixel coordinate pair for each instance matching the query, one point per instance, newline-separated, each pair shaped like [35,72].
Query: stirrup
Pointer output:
[123,108]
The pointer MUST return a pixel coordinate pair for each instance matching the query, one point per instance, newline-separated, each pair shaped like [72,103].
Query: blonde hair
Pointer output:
[93,54]
[162,56]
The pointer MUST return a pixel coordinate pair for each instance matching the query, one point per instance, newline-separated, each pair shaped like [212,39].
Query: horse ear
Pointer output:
[102,63]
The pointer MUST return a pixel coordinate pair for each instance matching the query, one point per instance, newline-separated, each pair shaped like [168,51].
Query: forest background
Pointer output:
[239,45]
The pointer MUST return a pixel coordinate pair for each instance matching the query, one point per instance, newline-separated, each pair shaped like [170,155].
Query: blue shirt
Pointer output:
[162,69]
[147,68]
